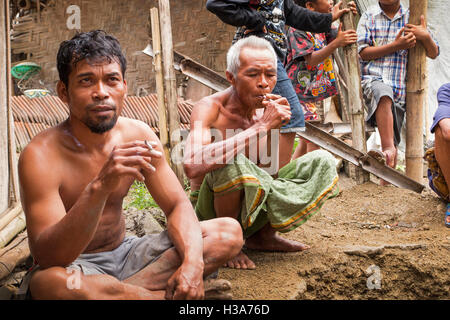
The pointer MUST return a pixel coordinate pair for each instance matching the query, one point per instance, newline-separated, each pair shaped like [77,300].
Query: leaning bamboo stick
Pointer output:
[355,96]
[162,112]
[170,84]
[12,229]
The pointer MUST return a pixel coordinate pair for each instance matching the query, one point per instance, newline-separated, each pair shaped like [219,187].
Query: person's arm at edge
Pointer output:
[303,19]
[236,13]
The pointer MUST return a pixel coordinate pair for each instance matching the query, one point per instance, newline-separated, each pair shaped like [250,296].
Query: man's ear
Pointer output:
[230,77]
[61,89]
[310,6]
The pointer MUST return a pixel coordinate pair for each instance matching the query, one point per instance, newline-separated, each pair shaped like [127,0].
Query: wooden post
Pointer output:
[5,174]
[341,83]
[162,114]
[415,89]
[355,95]
[14,192]
[170,87]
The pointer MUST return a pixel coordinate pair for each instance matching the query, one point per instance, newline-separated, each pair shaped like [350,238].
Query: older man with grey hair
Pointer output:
[231,157]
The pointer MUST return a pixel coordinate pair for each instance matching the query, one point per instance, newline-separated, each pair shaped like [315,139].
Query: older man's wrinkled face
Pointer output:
[256,77]
[96,93]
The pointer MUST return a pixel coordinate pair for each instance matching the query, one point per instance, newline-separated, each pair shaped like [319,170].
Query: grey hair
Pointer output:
[233,55]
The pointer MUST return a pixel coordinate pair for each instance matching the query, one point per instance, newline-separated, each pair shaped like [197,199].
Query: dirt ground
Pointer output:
[370,242]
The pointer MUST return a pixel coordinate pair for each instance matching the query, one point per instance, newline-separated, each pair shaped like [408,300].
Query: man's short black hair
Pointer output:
[94,46]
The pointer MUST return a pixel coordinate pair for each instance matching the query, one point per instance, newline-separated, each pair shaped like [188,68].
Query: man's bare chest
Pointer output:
[77,174]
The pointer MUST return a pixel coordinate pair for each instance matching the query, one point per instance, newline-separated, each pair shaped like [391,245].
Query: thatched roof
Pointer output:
[32,116]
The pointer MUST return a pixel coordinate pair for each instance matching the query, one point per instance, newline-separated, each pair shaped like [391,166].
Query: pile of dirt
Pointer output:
[370,242]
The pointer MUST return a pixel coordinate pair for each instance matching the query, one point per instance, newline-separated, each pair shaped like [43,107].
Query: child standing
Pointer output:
[310,67]
[384,37]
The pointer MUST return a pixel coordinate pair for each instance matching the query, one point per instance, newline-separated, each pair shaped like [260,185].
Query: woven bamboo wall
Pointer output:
[196,33]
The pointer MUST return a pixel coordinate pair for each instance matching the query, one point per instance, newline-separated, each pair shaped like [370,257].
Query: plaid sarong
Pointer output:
[286,202]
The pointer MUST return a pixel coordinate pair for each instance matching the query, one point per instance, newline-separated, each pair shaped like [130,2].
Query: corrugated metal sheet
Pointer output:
[32,116]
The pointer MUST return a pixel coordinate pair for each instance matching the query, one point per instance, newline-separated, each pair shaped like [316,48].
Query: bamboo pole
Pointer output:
[14,175]
[415,88]
[170,87]
[355,96]
[162,114]
[341,83]
[5,174]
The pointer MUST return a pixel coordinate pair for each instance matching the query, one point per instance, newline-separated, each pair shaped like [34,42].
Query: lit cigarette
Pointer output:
[148,145]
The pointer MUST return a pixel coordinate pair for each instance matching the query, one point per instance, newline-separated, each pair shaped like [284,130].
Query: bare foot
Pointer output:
[217,289]
[241,261]
[391,161]
[267,239]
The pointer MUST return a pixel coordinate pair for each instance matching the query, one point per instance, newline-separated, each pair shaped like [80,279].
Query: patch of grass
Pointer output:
[139,197]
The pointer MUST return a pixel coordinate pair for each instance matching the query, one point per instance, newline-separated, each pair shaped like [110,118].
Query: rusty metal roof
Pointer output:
[32,116]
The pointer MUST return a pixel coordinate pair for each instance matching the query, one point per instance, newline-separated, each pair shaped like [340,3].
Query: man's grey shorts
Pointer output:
[131,256]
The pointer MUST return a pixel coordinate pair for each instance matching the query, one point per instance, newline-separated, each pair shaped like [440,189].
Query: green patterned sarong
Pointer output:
[287,202]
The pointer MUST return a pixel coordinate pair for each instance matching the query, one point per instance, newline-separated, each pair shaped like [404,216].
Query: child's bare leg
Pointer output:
[385,123]
[286,145]
[301,149]
[311,146]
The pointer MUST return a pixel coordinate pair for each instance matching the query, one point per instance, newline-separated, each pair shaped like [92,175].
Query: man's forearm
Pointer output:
[63,242]
[206,158]
[186,234]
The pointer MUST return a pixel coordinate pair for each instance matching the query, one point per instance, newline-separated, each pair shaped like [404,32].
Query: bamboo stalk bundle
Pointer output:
[14,254]
[12,229]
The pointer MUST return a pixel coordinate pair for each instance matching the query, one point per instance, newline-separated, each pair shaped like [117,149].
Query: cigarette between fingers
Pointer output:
[148,144]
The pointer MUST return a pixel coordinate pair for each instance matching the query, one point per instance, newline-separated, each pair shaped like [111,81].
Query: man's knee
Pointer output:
[49,283]
[228,233]
[384,106]
[443,135]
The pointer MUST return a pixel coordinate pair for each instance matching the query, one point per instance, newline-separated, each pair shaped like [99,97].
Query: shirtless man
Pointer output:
[248,106]
[74,178]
